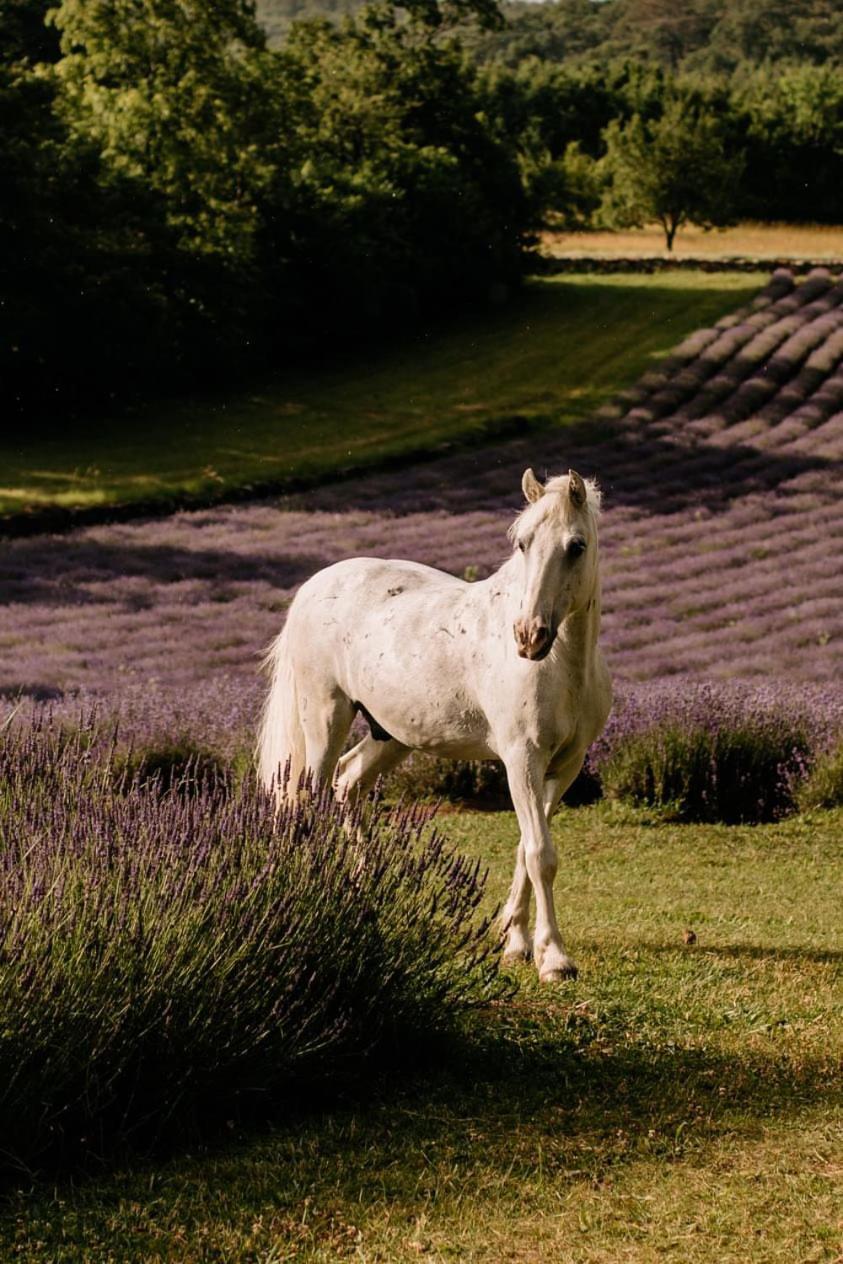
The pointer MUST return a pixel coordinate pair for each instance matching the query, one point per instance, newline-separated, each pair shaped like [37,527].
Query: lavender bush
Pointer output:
[160,952]
[709,752]
[733,775]
[715,753]
[824,787]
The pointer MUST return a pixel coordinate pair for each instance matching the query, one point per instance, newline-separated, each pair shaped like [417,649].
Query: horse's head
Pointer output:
[556,536]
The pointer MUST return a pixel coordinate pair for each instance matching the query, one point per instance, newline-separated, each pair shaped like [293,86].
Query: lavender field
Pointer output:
[722,543]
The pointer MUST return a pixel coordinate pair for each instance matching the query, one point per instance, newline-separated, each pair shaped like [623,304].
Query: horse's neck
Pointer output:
[579,635]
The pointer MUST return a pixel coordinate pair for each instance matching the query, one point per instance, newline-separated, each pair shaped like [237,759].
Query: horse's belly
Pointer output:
[411,700]
[412,675]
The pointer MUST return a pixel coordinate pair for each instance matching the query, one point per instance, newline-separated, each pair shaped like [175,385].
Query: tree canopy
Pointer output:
[674,170]
[181,199]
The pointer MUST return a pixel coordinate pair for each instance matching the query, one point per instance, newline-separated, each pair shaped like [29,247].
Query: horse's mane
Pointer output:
[555,500]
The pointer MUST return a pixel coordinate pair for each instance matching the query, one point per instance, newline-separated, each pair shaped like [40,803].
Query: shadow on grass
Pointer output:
[521,1089]
[588,1061]
[559,374]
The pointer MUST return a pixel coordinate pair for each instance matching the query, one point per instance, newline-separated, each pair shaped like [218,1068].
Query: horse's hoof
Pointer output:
[559,974]
[517,956]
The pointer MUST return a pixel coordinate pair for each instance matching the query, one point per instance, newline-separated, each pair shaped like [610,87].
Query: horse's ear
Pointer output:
[576,489]
[531,486]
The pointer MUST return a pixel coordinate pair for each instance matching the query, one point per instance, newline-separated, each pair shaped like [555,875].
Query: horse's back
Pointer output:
[372,590]
[376,578]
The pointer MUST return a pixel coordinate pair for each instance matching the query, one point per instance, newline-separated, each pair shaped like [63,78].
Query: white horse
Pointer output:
[505,668]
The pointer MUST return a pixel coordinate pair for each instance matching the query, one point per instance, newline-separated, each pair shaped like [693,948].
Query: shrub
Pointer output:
[180,765]
[477,783]
[823,788]
[738,772]
[167,955]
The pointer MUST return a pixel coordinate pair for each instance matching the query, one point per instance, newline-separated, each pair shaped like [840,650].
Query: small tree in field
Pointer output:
[674,170]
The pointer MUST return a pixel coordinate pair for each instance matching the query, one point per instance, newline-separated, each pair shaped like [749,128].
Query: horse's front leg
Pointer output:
[515,918]
[525,770]
[560,776]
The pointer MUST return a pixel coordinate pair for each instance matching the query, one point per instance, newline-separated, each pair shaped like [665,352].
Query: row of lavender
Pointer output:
[721,751]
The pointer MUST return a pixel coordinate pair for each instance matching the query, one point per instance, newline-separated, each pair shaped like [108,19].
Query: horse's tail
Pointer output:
[281,750]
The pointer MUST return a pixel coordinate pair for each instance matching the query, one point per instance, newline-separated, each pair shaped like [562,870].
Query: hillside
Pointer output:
[709,35]
[721,537]
[704,34]
[275,16]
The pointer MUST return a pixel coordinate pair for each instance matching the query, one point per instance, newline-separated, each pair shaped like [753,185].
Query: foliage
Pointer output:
[277,16]
[823,788]
[702,36]
[566,191]
[793,127]
[786,122]
[181,199]
[169,955]
[395,146]
[674,170]
[196,200]
[709,757]
[176,98]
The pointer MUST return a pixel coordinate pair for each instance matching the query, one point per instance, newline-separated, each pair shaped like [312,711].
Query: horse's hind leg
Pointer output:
[325,719]
[359,768]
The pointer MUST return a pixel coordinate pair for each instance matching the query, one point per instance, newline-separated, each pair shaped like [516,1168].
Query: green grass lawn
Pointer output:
[553,355]
[679,1102]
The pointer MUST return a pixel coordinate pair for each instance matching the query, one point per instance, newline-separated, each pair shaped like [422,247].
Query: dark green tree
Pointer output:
[793,123]
[172,93]
[674,170]
[404,200]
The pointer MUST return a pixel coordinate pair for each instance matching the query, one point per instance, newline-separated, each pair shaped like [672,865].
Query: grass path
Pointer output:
[677,1103]
[552,356]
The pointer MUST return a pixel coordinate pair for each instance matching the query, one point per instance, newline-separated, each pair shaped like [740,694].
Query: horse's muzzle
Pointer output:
[533,638]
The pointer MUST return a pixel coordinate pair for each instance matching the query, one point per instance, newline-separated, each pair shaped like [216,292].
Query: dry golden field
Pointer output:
[757,241]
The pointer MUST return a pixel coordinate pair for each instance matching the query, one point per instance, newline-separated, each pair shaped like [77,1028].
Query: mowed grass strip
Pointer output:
[556,352]
[681,1101]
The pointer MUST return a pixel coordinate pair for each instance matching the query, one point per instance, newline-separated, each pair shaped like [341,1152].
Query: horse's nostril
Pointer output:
[531,637]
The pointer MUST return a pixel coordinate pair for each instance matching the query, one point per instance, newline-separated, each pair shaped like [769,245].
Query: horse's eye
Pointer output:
[576,548]
[522,546]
